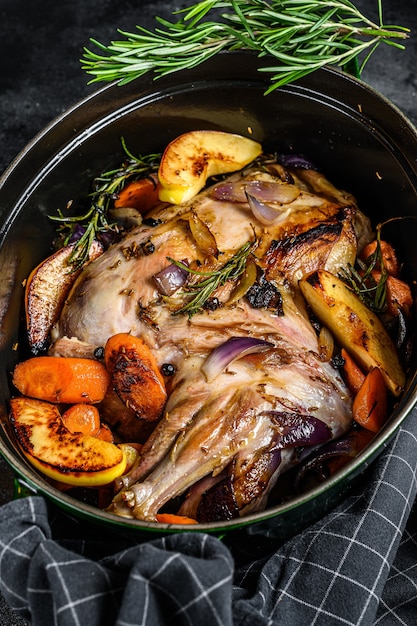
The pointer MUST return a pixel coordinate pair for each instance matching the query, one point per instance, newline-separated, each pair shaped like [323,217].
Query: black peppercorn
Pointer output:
[99,353]
[212,304]
[151,221]
[168,369]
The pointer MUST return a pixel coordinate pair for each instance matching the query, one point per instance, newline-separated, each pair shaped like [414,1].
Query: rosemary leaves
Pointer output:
[299,36]
[95,221]
[200,292]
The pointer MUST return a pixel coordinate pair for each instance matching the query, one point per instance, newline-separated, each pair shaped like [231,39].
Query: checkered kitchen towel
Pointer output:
[357,566]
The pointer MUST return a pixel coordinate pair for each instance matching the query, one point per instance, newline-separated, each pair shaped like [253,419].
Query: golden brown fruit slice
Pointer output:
[190,159]
[354,326]
[74,459]
[46,290]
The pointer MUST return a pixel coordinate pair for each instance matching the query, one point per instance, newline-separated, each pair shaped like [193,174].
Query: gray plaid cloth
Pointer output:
[357,566]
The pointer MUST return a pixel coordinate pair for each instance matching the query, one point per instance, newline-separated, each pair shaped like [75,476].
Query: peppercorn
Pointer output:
[99,353]
[168,369]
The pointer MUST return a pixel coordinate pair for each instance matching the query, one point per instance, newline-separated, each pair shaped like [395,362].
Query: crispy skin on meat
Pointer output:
[309,245]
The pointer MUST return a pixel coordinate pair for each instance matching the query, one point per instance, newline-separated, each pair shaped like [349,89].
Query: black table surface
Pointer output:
[40,77]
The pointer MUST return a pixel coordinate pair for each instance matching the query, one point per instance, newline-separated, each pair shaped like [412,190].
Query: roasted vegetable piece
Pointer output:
[171,518]
[388,255]
[105,433]
[46,289]
[370,403]
[190,159]
[82,418]
[135,375]
[140,194]
[62,379]
[336,454]
[398,294]
[352,373]
[354,326]
[74,459]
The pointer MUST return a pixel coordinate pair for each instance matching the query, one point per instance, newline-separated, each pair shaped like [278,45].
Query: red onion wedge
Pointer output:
[297,161]
[266,213]
[300,430]
[266,191]
[171,278]
[229,351]
[229,192]
[278,193]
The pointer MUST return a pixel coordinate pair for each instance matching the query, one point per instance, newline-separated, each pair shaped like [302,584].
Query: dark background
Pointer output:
[40,77]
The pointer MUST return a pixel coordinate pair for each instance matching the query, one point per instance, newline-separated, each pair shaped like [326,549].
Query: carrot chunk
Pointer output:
[171,518]
[140,194]
[389,256]
[105,433]
[398,294]
[82,418]
[69,380]
[135,375]
[352,373]
[370,403]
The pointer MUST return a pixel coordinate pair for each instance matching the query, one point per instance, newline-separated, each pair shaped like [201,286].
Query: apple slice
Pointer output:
[190,159]
[354,326]
[73,459]
[46,289]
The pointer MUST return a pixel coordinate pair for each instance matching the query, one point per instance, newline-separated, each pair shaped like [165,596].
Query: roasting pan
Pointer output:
[362,142]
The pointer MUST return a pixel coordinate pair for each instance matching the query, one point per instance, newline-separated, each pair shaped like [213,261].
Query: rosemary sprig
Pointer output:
[207,283]
[105,188]
[301,35]
[360,279]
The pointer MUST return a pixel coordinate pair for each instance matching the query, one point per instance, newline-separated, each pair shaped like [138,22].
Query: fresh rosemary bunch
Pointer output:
[300,35]
[83,229]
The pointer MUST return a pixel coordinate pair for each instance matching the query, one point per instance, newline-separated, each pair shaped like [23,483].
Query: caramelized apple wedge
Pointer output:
[354,326]
[46,290]
[73,459]
[190,159]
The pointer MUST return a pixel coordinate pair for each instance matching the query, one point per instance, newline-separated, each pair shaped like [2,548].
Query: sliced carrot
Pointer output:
[62,379]
[370,403]
[171,518]
[82,418]
[398,294]
[140,194]
[389,256]
[352,373]
[105,433]
[135,375]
